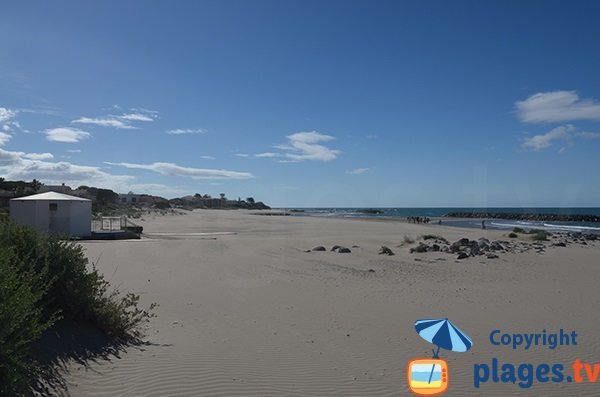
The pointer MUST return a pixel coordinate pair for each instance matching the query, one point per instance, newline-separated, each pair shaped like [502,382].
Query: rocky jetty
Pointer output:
[465,248]
[369,211]
[525,217]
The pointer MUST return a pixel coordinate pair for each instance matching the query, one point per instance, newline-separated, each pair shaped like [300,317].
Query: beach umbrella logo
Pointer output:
[429,377]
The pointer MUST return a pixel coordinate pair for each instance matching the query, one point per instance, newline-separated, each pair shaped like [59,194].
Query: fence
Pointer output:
[113,224]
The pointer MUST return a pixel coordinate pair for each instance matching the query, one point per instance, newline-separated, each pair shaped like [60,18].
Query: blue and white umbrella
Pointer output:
[442,333]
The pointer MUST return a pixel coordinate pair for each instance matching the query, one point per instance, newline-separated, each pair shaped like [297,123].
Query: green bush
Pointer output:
[162,205]
[3,215]
[518,230]
[43,277]
[513,235]
[539,235]
[21,322]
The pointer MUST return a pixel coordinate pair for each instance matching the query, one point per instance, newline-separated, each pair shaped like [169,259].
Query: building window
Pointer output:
[53,207]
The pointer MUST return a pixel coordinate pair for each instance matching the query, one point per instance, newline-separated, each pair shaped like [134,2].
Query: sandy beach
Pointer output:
[245,311]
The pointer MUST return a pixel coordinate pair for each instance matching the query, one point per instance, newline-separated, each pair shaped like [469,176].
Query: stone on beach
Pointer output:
[385,251]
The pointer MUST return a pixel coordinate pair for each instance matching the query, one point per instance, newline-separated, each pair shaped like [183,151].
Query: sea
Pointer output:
[439,213]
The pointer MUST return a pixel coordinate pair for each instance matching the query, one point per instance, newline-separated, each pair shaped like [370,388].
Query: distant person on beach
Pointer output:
[483,224]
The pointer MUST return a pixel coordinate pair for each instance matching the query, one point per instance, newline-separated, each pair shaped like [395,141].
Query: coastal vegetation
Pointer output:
[44,279]
[536,234]
[106,202]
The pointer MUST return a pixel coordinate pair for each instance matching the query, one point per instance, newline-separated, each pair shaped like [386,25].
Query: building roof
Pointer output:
[50,196]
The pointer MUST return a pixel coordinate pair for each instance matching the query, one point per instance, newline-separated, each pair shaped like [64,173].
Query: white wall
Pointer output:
[81,218]
[60,219]
[73,218]
[23,213]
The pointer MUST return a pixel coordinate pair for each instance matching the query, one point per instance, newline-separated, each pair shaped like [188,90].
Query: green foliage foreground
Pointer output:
[43,279]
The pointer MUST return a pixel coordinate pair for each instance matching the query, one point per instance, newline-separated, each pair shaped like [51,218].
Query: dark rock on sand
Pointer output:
[496,246]
[336,247]
[385,251]
[462,255]
[319,248]
[344,250]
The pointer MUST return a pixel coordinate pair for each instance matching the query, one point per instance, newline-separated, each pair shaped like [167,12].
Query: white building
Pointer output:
[54,212]
[130,198]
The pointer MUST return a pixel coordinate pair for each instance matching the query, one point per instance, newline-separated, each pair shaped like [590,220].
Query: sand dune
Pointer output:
[244,311]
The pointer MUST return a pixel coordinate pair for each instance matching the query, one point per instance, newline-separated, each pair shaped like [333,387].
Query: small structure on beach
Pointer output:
[54,212]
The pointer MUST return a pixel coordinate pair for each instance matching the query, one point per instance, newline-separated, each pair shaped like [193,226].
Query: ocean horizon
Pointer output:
[440,213]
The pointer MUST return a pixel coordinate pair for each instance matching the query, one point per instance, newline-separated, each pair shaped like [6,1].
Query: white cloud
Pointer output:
[122,121]
[182,131]
[66,134]
[357,171]
[27,166]
[4,137]
[588,135]
[244,155]
[110,121]
[304,146]
[208,157]
[136,117]
[7,123]
[171,169]
[557,106]
[566,133]
[8,157]
[6,114]
[74,151]
[267,155]
[544,141]
[152,113]
[38,156]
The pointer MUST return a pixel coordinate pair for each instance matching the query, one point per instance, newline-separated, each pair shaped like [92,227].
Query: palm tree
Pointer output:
[36,185]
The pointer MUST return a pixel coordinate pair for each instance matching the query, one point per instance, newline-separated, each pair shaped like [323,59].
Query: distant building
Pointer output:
[54,212]
[55,188]
[142,200]
[130,198]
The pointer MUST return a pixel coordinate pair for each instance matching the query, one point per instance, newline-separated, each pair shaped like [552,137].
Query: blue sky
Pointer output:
[307,103]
